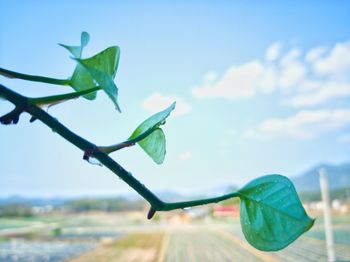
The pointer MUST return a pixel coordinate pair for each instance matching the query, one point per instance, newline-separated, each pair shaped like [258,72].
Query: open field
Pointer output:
[129,237]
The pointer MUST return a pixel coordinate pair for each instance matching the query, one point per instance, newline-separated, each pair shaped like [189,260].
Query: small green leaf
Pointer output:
[152,122]
[81,80]
[153,142]
[154,145]
[84,39]
[272,215]
[97,70]
[102,68]
[77,51]
[74,50]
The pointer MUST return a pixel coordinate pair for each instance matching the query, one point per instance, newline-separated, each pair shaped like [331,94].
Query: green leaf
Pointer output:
[272,215]
[97,70]
[102,68]
[74,50]
[84,39]
[77,51]
[154,145]
[152,137]
[81,80]
[152,122]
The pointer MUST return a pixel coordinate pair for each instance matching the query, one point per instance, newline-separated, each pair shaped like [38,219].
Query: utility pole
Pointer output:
[327,215]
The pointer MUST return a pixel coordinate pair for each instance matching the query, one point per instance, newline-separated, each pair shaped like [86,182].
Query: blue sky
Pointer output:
[260,88]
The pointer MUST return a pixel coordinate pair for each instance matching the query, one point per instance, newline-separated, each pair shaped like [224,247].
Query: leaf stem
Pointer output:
[126,143]
[156,204]
[60,98]
[43,79]
[198,202]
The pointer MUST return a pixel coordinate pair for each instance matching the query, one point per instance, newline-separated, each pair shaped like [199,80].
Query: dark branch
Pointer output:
[91,150]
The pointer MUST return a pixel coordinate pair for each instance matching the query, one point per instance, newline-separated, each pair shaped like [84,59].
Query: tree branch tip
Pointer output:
[151,213]
[32,119]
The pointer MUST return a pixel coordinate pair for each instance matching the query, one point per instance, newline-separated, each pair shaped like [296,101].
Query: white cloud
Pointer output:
[315,54]
[157,102]
[319,94]
[336,63]
[303,125]
[315,78]
[268,80]
[329,77]
[273,51]
[292,73]
[291,57]
[185,156]
[210,77]
[301,79]
[236,82]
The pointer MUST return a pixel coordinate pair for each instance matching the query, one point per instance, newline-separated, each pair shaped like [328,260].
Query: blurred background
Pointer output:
[261,88]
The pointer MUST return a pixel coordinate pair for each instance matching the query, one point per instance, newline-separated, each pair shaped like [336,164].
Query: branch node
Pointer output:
[12,117]
[89,156]
[88,153]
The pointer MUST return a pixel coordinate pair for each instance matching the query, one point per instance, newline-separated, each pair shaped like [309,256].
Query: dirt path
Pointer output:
[263,256]
[204,243]
[136,247]
[207,243]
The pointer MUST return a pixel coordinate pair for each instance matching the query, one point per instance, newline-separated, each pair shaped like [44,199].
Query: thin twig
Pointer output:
[43,79]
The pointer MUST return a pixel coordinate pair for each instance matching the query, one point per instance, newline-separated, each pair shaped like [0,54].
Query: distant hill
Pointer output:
[338,177]
[31,201]
[307,185]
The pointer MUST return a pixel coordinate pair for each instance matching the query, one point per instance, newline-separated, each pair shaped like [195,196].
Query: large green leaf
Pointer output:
[272,215]
[102,68]
[152,137]
[77,51]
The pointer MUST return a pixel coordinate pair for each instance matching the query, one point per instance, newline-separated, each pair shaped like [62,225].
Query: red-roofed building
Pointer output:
[226,211]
